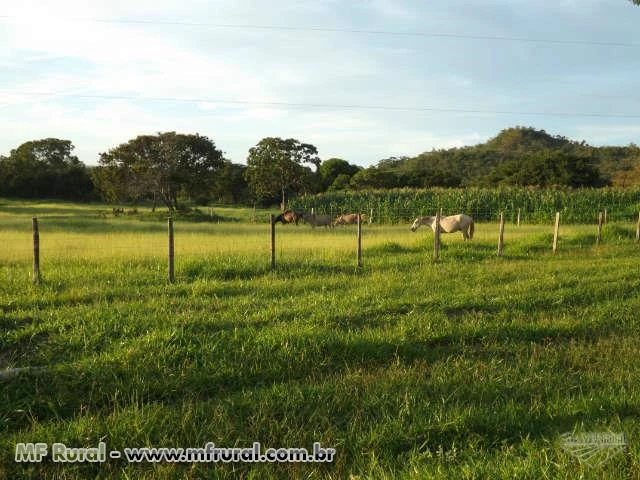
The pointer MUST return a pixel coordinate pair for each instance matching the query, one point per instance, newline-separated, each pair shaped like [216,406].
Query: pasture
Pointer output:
[472,367]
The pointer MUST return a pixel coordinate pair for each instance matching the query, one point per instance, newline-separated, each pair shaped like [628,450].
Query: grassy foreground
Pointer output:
[469,368]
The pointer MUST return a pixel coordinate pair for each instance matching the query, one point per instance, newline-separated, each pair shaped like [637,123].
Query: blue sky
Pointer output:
[361,80]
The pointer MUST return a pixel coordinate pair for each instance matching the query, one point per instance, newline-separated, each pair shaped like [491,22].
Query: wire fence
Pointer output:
[259,239]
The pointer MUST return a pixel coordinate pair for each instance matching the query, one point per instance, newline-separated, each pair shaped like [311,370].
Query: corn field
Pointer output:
[483,204]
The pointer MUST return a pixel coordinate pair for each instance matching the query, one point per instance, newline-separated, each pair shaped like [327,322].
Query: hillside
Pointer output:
[517,156]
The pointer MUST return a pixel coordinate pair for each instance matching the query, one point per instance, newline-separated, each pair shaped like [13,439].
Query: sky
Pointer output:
[362,80]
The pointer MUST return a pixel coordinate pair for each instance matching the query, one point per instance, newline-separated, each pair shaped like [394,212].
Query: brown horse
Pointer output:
[288,216]
[349,219]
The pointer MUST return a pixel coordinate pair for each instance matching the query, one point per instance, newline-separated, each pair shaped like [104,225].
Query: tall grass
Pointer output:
[469,368]
[536,205]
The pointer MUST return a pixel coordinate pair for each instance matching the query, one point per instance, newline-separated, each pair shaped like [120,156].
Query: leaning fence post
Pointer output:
[599,236]
[555,233]
[436,239]
[501,235]
[273,241]
[359,250]
[36,251]
[638,228]
[171,276]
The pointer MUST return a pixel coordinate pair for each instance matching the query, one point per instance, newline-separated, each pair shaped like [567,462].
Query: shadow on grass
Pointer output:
[324,355]
[285,268]
[392,248]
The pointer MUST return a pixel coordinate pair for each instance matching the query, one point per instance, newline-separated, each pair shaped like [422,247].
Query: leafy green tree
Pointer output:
[164,165]
[332,168]
[341,182]
[231,186]
[44,169]
[275,167]
[547,169]
[374,178]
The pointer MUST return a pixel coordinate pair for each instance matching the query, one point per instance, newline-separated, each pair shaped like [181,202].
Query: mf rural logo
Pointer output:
[594,448]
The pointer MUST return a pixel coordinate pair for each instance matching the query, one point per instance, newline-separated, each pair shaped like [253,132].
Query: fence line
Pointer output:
[273,241]
[359,247]
[36,274]
[599,234]
[436,238]
[501,235]
[555,232]
[36,251]
[170,269]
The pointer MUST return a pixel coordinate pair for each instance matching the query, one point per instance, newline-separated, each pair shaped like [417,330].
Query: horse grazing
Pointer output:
[288,216]
[454,223]
[349,219]
[317,220]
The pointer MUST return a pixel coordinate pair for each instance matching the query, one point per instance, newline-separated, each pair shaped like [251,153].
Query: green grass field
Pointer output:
[469,368]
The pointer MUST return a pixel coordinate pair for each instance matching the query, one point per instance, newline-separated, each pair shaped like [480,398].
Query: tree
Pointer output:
[548,168]
[231,186]
[166,165]
[341,182]
[628,178]
[275,168]
[333,168]
[374,178]
[44,169]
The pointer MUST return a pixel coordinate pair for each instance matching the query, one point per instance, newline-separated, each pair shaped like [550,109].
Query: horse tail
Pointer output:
[471,230]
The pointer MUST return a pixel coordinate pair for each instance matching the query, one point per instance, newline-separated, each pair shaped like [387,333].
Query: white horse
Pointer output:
[455,223]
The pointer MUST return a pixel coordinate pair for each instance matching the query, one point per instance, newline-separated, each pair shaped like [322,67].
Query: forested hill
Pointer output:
[516,156]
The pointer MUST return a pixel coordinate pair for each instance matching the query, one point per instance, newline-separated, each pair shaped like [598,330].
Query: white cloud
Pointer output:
[617,134]
[230,75]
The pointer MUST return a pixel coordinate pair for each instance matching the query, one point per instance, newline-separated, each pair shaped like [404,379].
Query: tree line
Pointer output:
[170,167]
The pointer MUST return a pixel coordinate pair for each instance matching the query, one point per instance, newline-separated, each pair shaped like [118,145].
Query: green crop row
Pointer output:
[483,204]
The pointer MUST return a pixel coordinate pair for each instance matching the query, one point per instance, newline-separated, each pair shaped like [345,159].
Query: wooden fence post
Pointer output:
[555,233]
[273,241]
[359,250]
[638,228]
[518,219]
[436,239]
[501,235]
[605,216]
[171,276]
[599,236]
[36,251]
